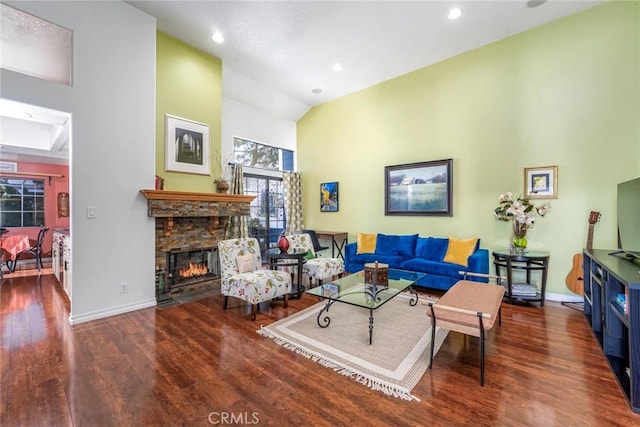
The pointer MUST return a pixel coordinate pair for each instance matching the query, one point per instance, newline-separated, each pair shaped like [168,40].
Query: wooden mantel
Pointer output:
[196,197]
[166,206]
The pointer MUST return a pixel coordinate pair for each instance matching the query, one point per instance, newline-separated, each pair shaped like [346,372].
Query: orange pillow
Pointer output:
[366,243]
[459,251]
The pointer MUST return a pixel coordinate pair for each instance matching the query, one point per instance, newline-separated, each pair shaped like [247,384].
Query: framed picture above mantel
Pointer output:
[424,188]
[187,146]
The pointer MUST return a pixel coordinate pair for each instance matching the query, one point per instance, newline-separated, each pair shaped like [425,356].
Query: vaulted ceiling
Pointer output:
[280,55]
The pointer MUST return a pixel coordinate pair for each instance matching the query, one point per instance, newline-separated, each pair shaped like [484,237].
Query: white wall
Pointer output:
[245,121]
[112,102]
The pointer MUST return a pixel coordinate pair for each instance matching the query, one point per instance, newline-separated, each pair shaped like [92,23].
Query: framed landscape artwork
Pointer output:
[541,182]
[419,188]
[186,146]
[329,197]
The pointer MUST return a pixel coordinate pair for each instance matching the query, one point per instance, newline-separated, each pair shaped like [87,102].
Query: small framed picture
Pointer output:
[329,197]
[330,290]
[541,182]
[186,146]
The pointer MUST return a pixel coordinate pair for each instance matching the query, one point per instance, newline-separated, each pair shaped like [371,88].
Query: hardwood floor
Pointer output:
[197,364]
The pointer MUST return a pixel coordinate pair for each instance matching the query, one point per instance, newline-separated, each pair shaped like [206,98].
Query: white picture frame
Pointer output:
[541,182]
[187,146]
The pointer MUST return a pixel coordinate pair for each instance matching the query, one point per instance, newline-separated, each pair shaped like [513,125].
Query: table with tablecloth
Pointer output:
[14,244]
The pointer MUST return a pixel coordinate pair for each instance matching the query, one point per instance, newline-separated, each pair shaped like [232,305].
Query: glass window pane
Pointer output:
[24,207]
[40,219]
[10,219]
[29,219]
[40,203]
[254,154]
[35,47]
[10,204]
[287,160]
[28,203]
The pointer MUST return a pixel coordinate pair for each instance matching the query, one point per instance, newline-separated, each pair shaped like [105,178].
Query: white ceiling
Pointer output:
[276,52]
[31,133]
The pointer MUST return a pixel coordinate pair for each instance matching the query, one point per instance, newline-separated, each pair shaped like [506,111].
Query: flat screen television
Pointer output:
[629,219]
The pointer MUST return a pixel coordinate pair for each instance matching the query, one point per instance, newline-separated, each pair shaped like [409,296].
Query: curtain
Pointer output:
[237,225]
[293,201]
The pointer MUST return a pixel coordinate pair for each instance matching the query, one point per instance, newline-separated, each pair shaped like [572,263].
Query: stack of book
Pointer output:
[523,290]
[621,300]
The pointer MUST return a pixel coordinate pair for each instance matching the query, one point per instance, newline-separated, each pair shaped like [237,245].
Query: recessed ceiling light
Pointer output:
[454,13]
[337,67]
[316,90]
[217,37]
[535,3]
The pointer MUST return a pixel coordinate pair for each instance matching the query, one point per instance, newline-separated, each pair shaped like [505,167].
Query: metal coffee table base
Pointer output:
[371,292]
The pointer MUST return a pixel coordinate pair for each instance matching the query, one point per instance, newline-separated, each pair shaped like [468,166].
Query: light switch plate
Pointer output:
[91,212]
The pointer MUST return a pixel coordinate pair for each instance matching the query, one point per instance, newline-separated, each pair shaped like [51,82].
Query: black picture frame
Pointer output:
[329,197]
[424,188]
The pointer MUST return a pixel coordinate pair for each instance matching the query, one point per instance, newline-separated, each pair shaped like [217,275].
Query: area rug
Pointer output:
[392,364]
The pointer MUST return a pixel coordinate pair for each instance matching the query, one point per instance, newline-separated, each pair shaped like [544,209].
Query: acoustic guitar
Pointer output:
[574,280]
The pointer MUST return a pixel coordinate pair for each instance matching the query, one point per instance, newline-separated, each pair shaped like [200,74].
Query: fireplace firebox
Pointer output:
[188,270]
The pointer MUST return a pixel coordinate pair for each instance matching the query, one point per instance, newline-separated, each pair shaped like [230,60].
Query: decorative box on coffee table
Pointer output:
[376,274]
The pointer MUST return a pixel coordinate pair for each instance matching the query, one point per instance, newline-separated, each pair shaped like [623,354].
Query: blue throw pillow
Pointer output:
[392,244]
[434,248]
[385,245]
[406,245]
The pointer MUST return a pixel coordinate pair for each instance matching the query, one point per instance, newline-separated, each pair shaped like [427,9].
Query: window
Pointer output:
[256,155]
[21,202]
[35,47]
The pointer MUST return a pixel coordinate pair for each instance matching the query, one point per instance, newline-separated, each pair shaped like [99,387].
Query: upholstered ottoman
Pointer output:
[470,308]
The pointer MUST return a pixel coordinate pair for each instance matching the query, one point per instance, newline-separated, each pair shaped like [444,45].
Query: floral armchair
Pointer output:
[317,268]
[242,275]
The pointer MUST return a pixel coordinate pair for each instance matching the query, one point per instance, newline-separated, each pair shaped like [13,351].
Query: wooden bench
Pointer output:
[470,308]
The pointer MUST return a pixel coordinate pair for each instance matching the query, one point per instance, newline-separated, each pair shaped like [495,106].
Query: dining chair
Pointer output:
[35,249]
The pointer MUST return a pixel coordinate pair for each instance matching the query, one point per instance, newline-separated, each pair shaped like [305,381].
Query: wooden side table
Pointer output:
[339,240]
[528,261]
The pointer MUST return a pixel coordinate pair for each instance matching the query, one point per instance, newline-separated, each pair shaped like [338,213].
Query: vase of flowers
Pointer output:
[521,213]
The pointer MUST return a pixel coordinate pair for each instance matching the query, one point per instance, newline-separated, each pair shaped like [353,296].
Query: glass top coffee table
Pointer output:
[353,290]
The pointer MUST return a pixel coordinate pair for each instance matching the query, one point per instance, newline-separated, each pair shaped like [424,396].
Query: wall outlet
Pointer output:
[124,287]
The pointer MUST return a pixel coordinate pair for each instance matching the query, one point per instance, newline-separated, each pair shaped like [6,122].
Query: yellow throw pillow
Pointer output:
[366,243]
[459,251]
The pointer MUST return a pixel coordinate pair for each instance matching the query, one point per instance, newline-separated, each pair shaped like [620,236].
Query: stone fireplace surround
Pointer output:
[188,221]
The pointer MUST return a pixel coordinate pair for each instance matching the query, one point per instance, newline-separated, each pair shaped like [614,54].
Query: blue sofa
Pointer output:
[421,254]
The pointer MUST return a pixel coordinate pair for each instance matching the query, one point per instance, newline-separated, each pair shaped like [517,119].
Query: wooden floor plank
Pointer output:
[194,363]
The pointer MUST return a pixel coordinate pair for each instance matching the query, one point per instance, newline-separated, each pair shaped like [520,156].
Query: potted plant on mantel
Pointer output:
[222,183]
[222,186]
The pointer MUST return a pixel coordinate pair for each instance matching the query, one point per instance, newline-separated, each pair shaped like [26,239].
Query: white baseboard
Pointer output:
[563,298]
[101,314]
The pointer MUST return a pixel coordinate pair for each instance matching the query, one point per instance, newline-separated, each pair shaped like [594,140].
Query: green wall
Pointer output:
[563,94]
[189,85]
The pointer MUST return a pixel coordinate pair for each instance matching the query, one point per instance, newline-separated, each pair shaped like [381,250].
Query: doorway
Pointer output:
[267,218]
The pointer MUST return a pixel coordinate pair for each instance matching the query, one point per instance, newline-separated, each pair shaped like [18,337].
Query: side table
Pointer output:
[338,241]
[293,258]
[528,261]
